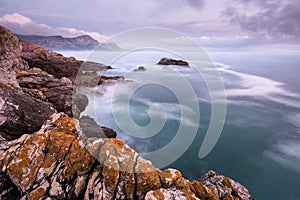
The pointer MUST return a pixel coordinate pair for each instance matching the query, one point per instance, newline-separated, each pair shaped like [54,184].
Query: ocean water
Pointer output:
[259,145]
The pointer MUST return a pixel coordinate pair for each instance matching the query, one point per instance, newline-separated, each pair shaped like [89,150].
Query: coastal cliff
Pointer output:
[47,154]
[82,42]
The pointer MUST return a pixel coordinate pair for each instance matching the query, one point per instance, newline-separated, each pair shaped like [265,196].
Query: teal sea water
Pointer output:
[260,142]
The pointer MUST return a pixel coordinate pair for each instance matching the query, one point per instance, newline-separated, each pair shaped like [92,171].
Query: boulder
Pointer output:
[91,129]
[20,113]
[170,61]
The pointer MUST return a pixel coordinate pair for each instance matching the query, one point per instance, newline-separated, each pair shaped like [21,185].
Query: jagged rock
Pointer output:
[41,85]
[170,194]
[55,164]
[224,187]
[21,113]
[140,68]
[55,63]
[170,61]
[9,57]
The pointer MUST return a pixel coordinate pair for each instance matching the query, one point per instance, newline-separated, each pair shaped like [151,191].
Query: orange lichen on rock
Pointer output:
[24,166]
[55,163]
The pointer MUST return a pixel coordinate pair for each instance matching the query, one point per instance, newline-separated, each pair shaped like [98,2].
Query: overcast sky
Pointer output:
[210,21]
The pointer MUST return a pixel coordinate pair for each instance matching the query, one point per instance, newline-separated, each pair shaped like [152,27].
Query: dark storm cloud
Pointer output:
[269,18]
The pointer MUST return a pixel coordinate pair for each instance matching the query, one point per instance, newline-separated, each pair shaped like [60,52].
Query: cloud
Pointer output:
[21,24]
[110,17]
[267,18]
[15,18]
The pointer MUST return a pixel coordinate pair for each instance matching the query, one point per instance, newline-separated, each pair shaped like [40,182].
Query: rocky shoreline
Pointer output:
[45,153]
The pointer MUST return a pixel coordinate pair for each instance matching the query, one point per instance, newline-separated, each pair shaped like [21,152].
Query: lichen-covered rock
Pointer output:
[55,164]
[224,187]
[170,194]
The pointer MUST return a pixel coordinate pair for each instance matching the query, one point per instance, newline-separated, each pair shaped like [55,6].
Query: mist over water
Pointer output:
[260,143]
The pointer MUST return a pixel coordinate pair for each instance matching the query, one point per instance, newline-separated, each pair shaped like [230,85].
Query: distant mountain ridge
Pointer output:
[58,42]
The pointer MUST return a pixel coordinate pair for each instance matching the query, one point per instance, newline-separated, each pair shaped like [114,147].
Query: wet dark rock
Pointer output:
[170,61]
[90,128]
[20,113]
[140,68]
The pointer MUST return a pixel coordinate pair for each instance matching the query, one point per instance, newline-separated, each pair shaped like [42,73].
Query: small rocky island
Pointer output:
[139,69]
[46,153]
[170,61]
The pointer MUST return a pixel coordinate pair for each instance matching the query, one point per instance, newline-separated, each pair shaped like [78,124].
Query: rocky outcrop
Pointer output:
[170,61]
[51,62]
[55,63]
[41,85]
[139,69]
[21,113]
[54,163]
[29,95]
[225,187]
[9,57]
[83,42]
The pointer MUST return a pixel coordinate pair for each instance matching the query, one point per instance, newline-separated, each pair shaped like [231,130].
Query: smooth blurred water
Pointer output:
[260,143]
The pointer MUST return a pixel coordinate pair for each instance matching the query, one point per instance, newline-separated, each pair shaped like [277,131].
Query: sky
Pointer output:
[211,22]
